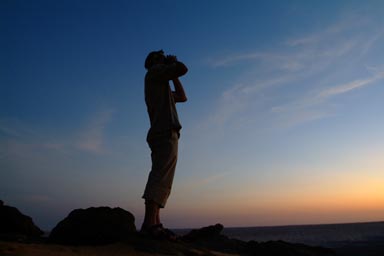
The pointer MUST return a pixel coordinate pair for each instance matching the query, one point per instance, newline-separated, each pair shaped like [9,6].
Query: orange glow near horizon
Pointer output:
[335,198]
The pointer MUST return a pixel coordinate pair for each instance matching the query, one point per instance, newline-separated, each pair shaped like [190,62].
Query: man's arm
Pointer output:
[179,93]
[173,69]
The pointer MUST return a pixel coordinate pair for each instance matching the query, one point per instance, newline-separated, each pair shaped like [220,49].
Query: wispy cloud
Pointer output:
[319,97]
[305,64]
[92,138]
[312,106]
[371,40]
[15,128]
[331,41]
[238,98]
[7,130]
[238,58]
[316,37]
[22,138]
[353,85]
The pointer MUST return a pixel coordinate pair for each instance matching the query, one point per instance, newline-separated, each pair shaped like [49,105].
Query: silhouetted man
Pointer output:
[162,136]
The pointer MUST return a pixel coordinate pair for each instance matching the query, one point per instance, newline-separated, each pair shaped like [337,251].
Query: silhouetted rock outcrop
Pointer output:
[16,226]
[104,225]
[210,238]
[93,226]
[210,232]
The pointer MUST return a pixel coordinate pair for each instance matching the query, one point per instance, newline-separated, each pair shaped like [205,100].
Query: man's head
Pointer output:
[153,58]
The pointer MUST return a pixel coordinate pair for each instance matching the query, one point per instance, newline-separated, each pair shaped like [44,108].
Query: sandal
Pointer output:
[169,232]
[158,232]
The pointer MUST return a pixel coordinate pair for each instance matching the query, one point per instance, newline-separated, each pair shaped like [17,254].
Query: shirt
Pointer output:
[161,106]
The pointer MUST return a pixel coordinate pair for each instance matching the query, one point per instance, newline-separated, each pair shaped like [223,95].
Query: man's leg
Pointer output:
[158,217]
[158,188]
[151,214]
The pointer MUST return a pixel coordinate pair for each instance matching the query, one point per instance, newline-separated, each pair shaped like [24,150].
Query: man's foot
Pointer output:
[169,232]
[159,232]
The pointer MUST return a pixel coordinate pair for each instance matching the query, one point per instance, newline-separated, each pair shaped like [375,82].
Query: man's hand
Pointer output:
[169,59]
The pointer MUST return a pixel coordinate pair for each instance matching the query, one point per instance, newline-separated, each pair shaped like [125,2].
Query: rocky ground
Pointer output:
[107,231]
[140,246]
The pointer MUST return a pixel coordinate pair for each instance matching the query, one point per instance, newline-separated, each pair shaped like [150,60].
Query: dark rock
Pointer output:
[94,226]
[15,226]
[210,232]
[210,238]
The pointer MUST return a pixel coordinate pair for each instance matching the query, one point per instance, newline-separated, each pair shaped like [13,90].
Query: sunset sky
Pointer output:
[284,122]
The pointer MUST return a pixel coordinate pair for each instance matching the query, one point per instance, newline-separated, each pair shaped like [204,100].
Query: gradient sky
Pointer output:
[284,123]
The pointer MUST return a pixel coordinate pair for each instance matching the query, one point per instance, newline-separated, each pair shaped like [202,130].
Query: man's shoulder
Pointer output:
[157,69]
[155,72]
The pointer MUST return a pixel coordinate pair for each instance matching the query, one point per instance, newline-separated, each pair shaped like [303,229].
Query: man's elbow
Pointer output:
[183,69]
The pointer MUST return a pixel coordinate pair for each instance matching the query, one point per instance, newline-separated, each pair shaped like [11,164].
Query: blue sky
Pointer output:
[283,124]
